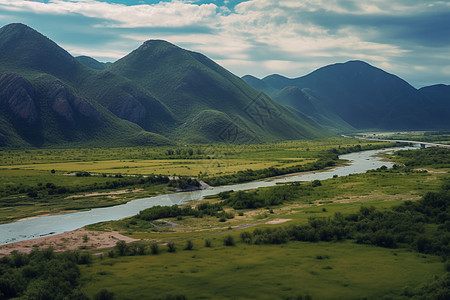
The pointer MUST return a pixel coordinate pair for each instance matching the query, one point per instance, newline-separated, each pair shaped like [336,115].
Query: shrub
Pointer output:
[228,240]
[189,245]
[171,247]
[208,243]
[121,247]
[246,237]
[316,183]
[104,295]
[154,248]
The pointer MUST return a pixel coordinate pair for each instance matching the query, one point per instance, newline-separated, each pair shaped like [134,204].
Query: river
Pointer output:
[359,162]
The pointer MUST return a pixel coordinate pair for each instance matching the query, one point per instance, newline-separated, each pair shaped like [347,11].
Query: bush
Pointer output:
[121,247]
[316,183]
[246,237]
[189,245]
[104,295]
[207,243]
[171,247]
[154,248]
[228,241]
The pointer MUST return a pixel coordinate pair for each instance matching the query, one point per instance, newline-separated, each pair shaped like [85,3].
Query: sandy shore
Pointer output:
[71,240]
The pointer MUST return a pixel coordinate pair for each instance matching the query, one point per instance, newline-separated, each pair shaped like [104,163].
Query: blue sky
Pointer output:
[409,38]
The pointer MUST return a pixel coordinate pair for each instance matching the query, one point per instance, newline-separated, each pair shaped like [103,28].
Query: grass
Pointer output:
[324,270]
[442,137]
[183,167]
[263,272]
[20,169]
[382,189]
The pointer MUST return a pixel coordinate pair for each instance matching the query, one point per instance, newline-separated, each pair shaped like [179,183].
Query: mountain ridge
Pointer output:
[363,96]
[156,94]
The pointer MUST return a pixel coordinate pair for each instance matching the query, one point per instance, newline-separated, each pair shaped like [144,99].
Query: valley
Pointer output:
[161,174]
[36,182]
[222,241]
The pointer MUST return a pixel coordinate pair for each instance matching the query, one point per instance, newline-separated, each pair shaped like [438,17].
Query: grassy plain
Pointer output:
[422,136]
[22,171]
[344,194]
[323,270]
[188,160]
[243,271]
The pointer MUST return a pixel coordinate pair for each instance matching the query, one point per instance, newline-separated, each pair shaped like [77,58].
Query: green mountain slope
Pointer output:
[192,86]
[41,100]
[304,100]
[365,97]
[156,93]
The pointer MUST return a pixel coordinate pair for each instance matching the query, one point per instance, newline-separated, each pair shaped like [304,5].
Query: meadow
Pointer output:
[250,257]
[48,181]
[322,270]
[343,238]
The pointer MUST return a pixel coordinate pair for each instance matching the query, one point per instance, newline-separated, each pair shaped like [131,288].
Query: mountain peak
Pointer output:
[156,44]
[16,27]
[22,47]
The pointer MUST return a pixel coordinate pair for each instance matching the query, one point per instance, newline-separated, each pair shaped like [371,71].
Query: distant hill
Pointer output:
[157,94]
[92,63]
[357,94]
[439,95]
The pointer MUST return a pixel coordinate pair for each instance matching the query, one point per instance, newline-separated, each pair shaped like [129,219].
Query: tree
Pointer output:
[121,247]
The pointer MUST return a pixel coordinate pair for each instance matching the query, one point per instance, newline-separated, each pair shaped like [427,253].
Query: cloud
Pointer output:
[257,37]
[170,14]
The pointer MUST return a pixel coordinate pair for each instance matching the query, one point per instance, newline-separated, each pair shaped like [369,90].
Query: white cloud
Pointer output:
[164,14]
[257,36]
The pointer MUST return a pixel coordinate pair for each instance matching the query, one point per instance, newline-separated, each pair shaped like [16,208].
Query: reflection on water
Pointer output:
[359,162]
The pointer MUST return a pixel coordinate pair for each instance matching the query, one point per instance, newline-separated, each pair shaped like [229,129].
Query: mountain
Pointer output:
[207,100]
[92,63]
[356,93]
[42,104]
[306,101]
[439,95]
[156,94]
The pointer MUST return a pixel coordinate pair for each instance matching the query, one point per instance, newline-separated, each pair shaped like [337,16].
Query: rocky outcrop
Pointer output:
[67,106]
[128,108]
[18,96]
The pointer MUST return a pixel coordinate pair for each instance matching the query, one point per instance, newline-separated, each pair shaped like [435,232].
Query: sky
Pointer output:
[409,38]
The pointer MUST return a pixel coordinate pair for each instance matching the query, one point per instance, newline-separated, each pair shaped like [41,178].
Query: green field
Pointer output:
[264,272]
[441,137]
[378,235]
[382,189]
[320,270]
[25,174]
